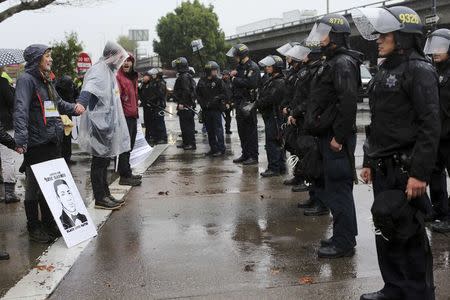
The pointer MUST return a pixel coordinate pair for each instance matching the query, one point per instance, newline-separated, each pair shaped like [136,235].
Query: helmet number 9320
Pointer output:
[336,21]
[409,18]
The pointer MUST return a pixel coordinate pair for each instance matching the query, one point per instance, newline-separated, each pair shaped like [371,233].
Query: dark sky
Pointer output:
[97,23]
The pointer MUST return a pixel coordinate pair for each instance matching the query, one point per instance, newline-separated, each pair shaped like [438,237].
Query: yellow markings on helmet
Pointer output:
[409,18]
[336,21]
[242,48]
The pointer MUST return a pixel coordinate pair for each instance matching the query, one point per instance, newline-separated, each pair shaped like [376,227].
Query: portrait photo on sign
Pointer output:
[64,200]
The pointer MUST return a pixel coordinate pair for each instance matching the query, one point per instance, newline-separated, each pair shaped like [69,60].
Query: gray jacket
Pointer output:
[31,126]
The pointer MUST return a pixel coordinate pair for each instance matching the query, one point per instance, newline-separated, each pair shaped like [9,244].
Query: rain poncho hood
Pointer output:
[103,128]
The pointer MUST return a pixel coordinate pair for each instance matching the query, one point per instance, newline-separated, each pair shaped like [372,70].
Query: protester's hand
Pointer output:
[233,73]
[285,111]
[292,120]
[180,106]
[335,146]
[366,175]
[20,150]
[415,188]
[79,109]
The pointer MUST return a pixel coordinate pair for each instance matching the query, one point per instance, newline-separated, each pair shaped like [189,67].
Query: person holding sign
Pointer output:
[38,133]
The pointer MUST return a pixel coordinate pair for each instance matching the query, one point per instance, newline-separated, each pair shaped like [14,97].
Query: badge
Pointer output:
[391,81]
[213,84]
[441,78]
[304,72]
[320,71]
[250,73]
[50,109]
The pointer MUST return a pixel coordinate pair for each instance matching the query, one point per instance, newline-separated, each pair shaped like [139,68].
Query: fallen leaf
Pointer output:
[306,280]
[167,193]
[249,268]
[262,196]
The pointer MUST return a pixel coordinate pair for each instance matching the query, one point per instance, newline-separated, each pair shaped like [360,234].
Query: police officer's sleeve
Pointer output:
[273,96]
[182,89]
[23,97]
[346,82]
[425,99]
[250,81]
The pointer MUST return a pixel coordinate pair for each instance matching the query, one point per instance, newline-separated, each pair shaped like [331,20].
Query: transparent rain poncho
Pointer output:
[436,45]
[371,21]
[103,129]
[298,53]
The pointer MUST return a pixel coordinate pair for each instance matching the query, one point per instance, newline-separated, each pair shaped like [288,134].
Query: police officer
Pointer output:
[311,62]
[153,97]
[331,116]
[245,81]
[228,101]
[400,150]
[184,96]
[211,95]
[438,46]
[269,105]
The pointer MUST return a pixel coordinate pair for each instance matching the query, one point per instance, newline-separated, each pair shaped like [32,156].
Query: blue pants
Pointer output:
[276,156]
[248,134]
[214,127]
[187,126]
[155,127]
[338,191]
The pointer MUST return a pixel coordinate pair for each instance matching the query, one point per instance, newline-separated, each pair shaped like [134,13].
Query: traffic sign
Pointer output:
[83,63]
[431,20]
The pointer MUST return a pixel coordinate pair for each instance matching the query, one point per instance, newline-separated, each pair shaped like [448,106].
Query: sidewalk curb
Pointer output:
[57,260]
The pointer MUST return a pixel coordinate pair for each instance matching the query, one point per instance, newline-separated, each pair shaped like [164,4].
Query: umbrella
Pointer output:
[11,57]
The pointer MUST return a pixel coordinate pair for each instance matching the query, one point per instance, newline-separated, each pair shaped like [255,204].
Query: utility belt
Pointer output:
[387,165]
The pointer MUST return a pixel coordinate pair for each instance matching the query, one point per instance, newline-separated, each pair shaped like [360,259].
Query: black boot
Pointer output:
[129,181]
[441,227]
[316,210]
[119,202]
[270,173]
[240,159]
[376,296]
[250,161]
[106,203]
[38,234]
[301,187]
[52,230]
[4,255]
[307,204]
[335,252]
[138,177]
[293,181]
[10,195]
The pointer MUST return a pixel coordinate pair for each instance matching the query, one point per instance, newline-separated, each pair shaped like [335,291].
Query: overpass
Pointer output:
[264,41]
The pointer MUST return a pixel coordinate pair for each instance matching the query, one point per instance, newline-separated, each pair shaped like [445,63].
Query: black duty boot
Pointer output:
[38,234]
[316,210]
[240,159]
[250,161]
[291,181]
[307,204]
[4,255]
[301,187]
[375,296]
[107,203]
[138,177]
[130,181]
[326,242]
[115,200]
[334,252]
[270,173]
[10,195]
[190,147]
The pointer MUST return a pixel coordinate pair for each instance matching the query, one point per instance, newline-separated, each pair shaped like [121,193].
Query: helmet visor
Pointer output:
[298,53]
[318,33]
[232,52]
[174,63]
[267,61]
[371,21]
[284,49]
[436,45]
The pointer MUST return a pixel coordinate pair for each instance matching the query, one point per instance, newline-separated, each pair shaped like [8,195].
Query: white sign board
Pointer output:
[431,20]
[141,149]
[64,200]
[138,35]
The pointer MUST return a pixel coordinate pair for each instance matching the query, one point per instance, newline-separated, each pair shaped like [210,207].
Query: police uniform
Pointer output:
[245,86]
[211,93]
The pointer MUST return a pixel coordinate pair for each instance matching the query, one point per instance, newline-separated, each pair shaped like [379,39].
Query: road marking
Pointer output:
[57,260]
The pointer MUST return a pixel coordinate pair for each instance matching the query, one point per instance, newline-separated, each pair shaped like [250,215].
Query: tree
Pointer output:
[16,6]
[65,54]
[190,21]
[126,43]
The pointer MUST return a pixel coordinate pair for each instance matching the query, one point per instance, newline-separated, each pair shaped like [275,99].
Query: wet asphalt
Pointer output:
[206,228]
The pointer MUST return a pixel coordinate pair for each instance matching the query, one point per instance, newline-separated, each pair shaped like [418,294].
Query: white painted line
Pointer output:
[57,260]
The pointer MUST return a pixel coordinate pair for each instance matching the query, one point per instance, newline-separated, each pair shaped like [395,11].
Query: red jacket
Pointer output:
[128,85]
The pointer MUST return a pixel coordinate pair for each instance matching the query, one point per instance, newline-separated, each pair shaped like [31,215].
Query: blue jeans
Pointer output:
[338,191]
[214,128]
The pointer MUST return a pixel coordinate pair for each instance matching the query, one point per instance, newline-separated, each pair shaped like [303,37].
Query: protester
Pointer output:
[67,90]
[184,96]
[38,132]
[211,94]
[152,94]
[103,131]
[400,151]
[269,104]
[7,156]
[127,79]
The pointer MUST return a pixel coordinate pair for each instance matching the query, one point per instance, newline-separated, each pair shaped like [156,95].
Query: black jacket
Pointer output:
[404,104]
[245,84]
[6,139]
[335,87]
[444,98]
[290,83]
[153,94]
[6,104]
[68,222]
[302,91]
[211,93]
[271,96]
[66,89]
[184,89]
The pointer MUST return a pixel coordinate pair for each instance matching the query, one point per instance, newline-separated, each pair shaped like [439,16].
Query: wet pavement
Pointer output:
[206,228]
